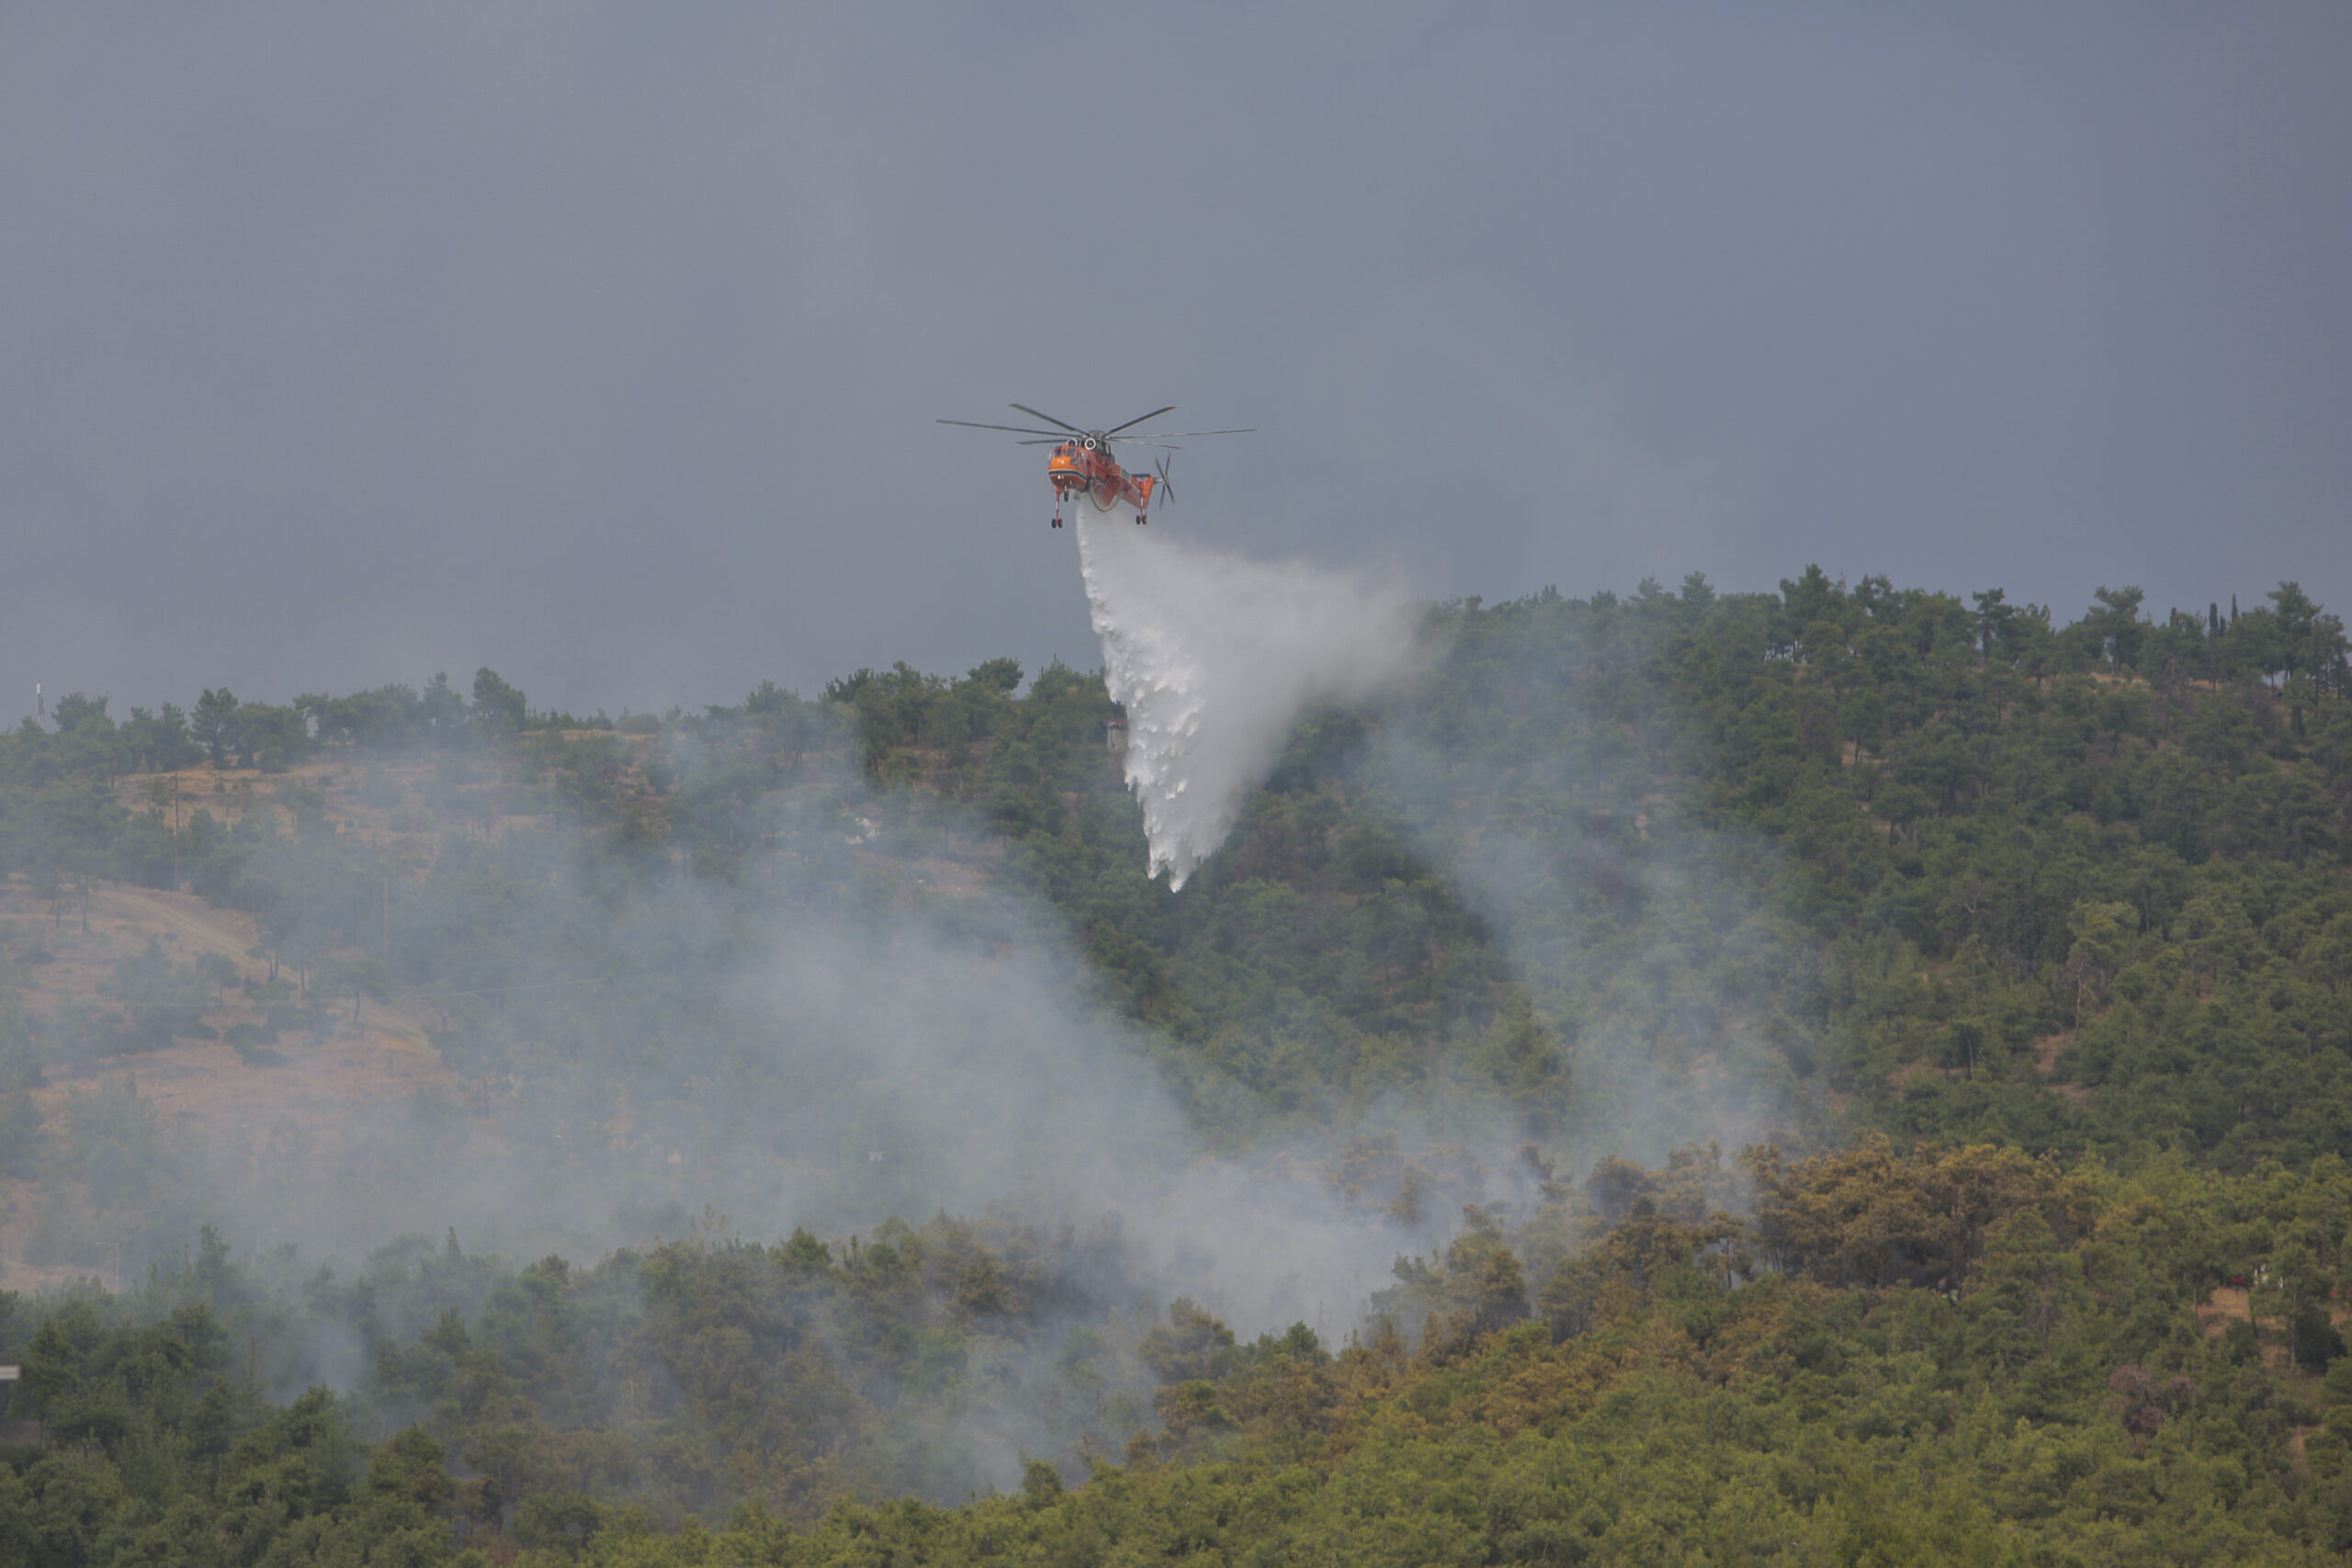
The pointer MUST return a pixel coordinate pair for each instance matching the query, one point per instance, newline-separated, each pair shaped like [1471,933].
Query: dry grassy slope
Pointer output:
[199,1087]
[411,831]
[204,1089]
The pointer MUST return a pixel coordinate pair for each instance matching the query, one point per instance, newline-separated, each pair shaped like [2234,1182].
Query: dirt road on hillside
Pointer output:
[199,926]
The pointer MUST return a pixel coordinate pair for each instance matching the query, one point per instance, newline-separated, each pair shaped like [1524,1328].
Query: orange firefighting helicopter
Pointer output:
[1082,465]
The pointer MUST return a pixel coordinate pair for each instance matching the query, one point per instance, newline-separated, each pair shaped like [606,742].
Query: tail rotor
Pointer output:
[1166,488]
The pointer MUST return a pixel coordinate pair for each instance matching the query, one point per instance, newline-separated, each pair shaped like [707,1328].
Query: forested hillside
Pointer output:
[1851,1074]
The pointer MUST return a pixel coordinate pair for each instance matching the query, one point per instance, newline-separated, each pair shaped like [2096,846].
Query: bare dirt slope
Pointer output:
[200,1089]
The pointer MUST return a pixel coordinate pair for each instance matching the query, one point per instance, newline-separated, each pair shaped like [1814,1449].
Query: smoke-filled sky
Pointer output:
[601,343]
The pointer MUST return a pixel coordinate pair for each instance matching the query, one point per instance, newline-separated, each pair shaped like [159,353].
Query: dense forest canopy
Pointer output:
[1851,1074]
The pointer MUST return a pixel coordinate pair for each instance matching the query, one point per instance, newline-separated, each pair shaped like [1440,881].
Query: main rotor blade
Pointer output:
[1049,419]
[1156,435]
[1016,429]
[1140,418]
[1124,441]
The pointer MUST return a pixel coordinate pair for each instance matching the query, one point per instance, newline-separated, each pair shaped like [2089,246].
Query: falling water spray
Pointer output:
[1215,657]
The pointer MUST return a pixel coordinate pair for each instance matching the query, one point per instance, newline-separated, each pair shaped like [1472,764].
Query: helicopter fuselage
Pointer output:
[1083,467]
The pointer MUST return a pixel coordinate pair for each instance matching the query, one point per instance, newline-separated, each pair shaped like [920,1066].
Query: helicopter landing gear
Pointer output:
[1141,520]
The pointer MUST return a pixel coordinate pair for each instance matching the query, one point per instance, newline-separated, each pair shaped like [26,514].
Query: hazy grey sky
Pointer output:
[341,344]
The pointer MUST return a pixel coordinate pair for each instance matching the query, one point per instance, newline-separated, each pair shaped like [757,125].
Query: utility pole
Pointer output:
[175,829]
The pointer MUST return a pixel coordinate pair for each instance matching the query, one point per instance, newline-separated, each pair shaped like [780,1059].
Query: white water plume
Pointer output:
[1215,657]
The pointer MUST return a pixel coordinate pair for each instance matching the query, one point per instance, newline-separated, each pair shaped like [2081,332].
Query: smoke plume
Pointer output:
[1215,657]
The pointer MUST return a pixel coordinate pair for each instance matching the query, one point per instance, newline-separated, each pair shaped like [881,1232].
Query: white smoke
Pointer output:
[1215,657]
